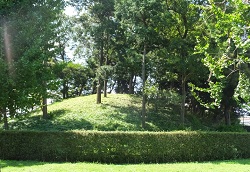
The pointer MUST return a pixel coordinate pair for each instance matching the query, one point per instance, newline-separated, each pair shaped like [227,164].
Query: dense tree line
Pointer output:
[28,32]
[197,50]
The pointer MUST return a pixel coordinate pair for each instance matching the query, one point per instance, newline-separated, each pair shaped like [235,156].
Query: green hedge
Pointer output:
[123,147]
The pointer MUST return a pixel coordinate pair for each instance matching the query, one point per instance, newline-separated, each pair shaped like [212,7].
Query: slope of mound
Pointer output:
[117,112]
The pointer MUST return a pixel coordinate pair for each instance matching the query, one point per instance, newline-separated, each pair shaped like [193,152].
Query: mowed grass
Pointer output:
[116,112]
[217,166]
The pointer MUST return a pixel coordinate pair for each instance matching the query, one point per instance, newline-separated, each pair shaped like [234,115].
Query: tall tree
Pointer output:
[225,52]
[141,18]
[74,78]
[97,28]
[64,42]
[185,16]
[28,30]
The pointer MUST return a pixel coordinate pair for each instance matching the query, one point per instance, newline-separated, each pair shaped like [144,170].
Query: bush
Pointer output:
[231,128]
[123,147]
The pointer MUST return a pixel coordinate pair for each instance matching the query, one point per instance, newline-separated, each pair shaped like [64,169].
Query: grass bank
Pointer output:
[216,166]
[117,112]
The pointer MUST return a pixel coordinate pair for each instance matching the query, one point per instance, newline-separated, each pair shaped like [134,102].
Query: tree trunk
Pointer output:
[5,119]
[183,85]
[143,114]
[227,115]
[44,96]
[156,102]
[99,92]
[118,88]
[94,88]
[81,90]
[105,88]
[65,90]
[124,86]
[131,85]
[45,108]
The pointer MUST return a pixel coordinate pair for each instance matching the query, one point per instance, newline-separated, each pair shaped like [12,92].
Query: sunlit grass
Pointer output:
[116,112]
[217,166]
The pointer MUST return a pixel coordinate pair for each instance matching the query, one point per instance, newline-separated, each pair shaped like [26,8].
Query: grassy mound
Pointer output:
[118,112]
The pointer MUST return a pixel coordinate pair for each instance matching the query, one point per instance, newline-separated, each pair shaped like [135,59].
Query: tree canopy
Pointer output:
[189,54]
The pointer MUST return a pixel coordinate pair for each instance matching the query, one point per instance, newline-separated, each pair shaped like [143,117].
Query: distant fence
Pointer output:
[123,147]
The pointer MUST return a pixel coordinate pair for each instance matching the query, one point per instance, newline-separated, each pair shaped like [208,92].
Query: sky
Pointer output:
[70,11]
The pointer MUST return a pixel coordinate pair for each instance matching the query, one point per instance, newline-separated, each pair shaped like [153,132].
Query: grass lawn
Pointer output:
[216,166]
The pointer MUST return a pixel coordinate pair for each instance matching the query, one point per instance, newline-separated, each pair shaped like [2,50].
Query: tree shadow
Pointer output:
[12,163]
[236,161]
[128,115]
[163,120]
[132,115]
[53,123]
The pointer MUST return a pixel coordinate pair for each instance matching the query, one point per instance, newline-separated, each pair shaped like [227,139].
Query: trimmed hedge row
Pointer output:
[123,147]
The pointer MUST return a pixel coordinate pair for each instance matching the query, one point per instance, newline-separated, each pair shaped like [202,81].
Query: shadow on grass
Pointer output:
[53,123]
[131,114]
[162,120]
[125,116]
[8,163]
[237,161]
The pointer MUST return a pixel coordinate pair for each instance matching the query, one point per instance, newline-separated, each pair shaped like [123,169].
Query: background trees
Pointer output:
[169,45]
[141,19]
[27,34]
[96,28]
[225,54]
[197,50]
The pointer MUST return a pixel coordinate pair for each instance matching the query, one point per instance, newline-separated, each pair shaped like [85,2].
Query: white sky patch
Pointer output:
[69,52]
[70,11]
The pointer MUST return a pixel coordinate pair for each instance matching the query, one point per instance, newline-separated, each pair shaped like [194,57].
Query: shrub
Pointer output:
[231,128]
[123,147]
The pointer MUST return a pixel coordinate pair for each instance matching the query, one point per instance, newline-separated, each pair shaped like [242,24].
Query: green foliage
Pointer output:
[231,128]
[3,85]
[28,31]
[243,89]
[123,147]
[162,99]
[223,48]
[74,78]
[182,40]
